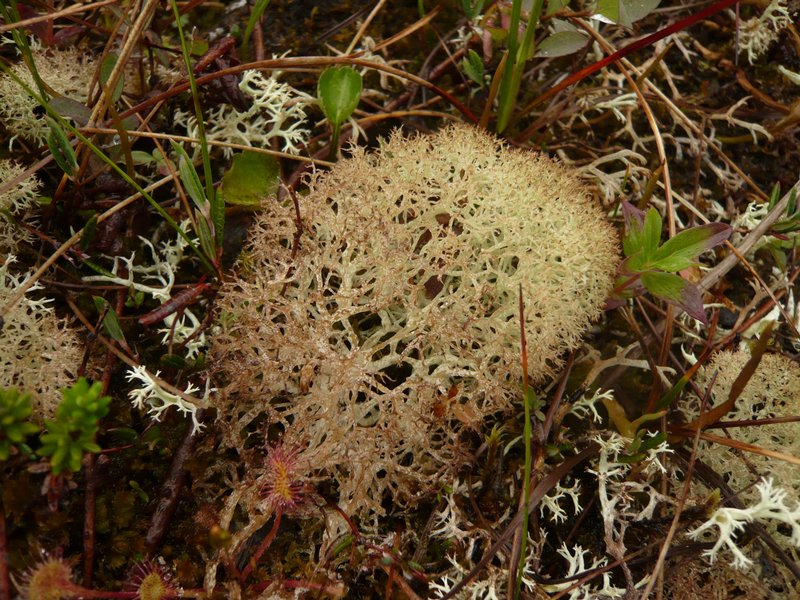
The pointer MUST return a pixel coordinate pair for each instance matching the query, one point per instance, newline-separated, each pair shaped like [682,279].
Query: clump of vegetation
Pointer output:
[392,320]
[298,325]
[40,354]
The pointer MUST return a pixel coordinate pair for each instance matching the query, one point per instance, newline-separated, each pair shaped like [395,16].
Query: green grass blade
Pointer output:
[217,211]
[258,10]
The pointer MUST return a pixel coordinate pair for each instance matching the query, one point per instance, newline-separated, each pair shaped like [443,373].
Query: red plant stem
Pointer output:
[170,493]
[622,53]
[5,580]
[301,63]
[178,302]
[90,472]
[262,547]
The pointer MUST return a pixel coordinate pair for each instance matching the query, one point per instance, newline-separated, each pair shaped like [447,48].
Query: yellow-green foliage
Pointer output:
[396,325]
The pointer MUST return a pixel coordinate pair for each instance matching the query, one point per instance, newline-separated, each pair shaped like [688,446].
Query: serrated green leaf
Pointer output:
[472,66]
[676,290]
[190,179]
[61,149]
[106,67]
[338,92]
[681,251]
[110,320]
[253,177]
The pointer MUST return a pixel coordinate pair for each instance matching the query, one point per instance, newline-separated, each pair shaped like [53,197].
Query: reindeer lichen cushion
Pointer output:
[389,325]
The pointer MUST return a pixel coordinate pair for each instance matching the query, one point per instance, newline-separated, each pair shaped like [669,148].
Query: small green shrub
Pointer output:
[73,431]
[15,408]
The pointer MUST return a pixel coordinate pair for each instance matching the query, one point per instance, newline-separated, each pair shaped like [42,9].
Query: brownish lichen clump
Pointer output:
[395,326]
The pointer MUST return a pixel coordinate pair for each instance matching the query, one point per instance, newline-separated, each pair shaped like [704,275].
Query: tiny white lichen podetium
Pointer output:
[402,302]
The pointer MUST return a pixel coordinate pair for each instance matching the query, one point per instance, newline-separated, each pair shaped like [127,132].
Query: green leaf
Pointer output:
[633,241]
[106,67]
[561,43]
[651,233]
[774,196]
[338,92]
[218,217]
[190,179]
[472,66]
[61,149]
[556,5]
[471,8]
[110,320]
[174,361]
[681,251]
[664,285]
[255,14]
[89,231]
[142,158]
[253,176]
[205,235]
[676,290]
[624,12]
[124,435]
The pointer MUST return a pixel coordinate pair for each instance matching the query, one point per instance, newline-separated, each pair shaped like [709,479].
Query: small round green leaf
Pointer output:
[624,12]
[562,43]
[252,177]
[338,92]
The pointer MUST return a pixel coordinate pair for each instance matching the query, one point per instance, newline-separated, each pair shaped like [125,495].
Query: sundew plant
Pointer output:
[469,300]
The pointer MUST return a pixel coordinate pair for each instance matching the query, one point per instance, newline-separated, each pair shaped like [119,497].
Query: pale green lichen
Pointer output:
[68,73]
[38,353]
[277,113]
[772,392]
[14,202]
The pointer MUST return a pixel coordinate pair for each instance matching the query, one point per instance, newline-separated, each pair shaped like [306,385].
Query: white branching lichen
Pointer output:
[772,506]
[278,111]
[156,278]
[756,35]
[150,395]
[552,502]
